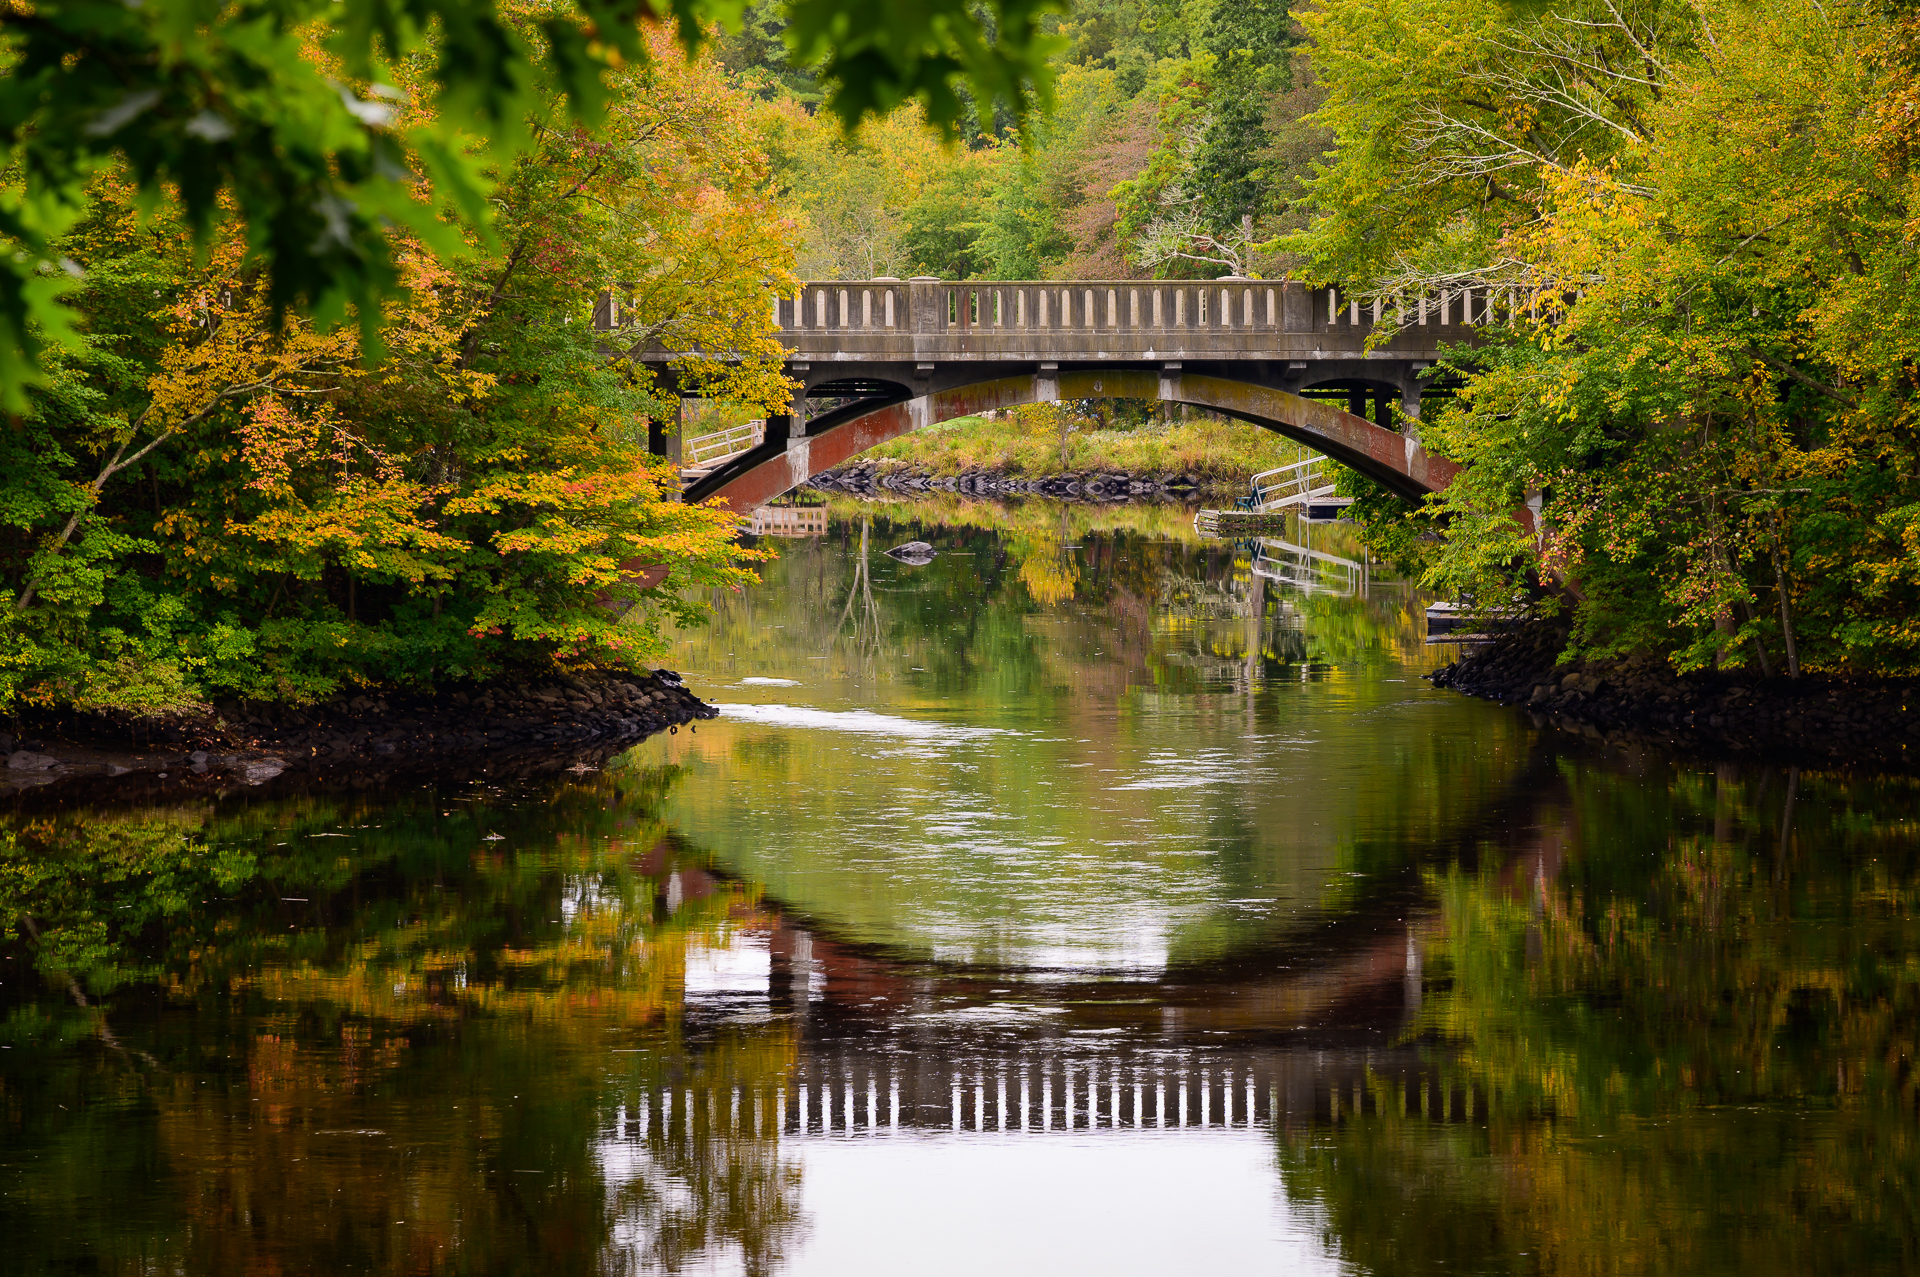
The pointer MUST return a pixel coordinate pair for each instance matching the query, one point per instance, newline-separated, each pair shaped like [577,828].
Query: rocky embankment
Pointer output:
[867,478]
[1641,699]
[598,711]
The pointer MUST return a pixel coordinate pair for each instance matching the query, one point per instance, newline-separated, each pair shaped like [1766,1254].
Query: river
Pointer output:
[1091,898]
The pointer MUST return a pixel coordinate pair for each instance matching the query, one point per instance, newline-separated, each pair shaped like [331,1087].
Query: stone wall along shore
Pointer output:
[1640,699]
[604,710]
[865,479]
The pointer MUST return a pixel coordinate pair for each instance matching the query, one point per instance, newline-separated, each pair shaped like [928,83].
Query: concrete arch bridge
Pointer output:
[896,355]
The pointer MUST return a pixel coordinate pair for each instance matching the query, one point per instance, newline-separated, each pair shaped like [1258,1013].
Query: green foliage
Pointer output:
[316,120]
[1701,368]
[207,499]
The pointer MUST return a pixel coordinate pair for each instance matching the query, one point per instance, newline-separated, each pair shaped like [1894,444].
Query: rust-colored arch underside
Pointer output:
[1384,456]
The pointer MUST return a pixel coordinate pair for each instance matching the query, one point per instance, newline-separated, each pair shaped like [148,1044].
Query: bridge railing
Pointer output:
[1301,483]
[938,306]
[709,450]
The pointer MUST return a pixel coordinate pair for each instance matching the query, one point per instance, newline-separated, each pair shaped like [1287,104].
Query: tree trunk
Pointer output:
[1786,615]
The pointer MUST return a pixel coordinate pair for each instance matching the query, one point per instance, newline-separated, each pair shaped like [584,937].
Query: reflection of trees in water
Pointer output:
[1690,1005]
[1047,567]
[322,1036]
[863,641]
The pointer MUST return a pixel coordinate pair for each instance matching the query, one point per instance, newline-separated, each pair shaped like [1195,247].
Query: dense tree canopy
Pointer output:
[1704,211]
[327,123]
[209,500]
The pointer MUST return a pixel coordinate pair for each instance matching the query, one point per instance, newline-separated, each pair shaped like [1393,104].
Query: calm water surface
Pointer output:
[1089,899]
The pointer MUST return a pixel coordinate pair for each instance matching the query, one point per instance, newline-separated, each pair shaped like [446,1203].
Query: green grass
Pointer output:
[1027,442]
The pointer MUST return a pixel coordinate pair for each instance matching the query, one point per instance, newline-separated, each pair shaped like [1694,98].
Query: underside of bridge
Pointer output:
[884,408]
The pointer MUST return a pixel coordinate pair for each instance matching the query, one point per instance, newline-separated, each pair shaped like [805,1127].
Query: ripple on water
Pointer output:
[858,721]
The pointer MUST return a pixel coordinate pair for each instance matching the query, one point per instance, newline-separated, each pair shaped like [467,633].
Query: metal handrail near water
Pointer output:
[704,452]
[1299,485]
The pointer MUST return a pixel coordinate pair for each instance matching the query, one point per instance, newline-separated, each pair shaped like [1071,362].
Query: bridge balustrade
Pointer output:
[1119,306]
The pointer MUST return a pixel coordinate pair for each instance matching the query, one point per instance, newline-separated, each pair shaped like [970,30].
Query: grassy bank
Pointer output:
[1039,440]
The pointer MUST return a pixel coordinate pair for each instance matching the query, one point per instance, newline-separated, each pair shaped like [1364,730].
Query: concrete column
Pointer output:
[1410,388]
[797,410]
[1046,383]
[663,437]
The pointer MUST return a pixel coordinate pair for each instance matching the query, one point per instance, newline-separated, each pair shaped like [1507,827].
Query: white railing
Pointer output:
[1296,487]
[706,452]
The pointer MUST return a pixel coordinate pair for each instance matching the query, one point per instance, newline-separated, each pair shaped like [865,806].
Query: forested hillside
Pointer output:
[1702,211]
[1691,427]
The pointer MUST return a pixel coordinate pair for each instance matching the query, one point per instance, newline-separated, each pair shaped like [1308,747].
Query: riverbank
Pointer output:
[1044,448]
[1641,698]
[232,743]
[869,478]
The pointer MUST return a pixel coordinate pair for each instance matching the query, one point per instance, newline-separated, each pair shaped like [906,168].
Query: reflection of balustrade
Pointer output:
[1039,1096]
[789,521]
[1309,571]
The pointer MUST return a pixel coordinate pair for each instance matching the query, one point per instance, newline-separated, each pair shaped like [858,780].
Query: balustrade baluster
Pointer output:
[1113,309]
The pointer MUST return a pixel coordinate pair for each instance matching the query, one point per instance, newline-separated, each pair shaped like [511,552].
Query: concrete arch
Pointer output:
[1396,462]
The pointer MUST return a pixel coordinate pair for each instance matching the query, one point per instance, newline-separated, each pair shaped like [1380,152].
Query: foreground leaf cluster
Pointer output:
[210,499]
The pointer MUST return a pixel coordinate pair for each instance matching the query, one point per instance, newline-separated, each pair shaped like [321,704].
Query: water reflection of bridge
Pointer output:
[875,1095]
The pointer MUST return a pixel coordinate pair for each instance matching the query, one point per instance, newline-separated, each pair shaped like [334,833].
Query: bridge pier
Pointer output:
[663,437]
